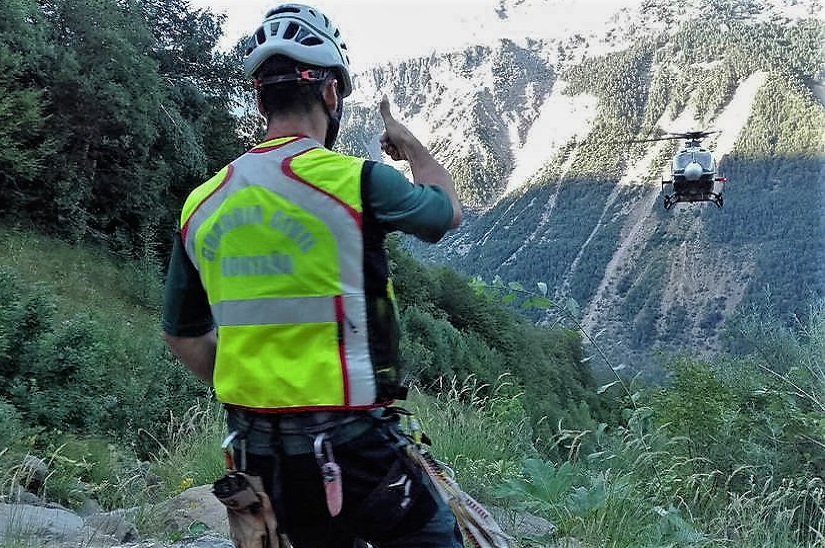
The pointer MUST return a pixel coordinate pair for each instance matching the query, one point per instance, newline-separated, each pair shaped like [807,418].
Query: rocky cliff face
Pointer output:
[474,108]
[539,132]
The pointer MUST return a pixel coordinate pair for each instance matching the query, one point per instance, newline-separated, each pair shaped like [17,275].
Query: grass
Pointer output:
[459,420]
[600,500]
[630,485]
[193,456]
[84,277]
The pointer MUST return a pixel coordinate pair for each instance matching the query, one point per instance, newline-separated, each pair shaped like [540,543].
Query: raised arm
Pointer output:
[400,144]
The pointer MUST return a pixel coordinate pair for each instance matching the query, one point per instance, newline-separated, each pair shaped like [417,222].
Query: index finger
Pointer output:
[384,108]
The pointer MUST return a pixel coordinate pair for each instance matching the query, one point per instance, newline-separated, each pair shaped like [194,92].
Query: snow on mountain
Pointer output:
[559,19]
[434,94]
[560,119]
[735,115]
[496,105]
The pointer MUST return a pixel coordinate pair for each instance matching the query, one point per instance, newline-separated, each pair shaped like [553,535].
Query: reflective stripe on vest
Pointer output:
[260,327]
[275,310]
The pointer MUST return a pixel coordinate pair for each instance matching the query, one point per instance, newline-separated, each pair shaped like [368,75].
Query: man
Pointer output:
[278,295]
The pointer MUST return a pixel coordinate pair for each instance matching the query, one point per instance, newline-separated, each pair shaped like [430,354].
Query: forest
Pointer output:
[771,221]
[112,110]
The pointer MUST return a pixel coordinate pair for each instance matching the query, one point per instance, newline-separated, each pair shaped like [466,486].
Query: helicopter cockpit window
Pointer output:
[681,161]
[704,159]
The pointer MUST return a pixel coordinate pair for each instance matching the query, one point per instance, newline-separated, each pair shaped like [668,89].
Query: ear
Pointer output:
[259,104]
[330,94]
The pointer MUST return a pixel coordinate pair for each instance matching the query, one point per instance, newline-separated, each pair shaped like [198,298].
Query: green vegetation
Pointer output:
[111,110]
[772,215]
[515,411]
[80,348]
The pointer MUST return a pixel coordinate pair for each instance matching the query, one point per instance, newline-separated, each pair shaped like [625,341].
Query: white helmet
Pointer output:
[302,33]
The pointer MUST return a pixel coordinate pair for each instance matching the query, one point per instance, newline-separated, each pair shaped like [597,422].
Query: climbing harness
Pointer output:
[396,496]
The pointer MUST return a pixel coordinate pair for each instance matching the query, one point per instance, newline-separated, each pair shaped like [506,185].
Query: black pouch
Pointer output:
[394,502]
[400,503]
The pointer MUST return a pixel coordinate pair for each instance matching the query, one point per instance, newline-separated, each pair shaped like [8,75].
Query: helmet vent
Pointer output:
[306,37]
[282,9]
[291,30]
[312,41]
[302,33]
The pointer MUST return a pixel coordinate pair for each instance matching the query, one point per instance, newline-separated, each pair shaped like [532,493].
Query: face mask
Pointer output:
[334,124]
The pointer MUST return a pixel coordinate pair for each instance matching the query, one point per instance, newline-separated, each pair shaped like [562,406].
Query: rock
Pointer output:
[207,541]
[529,525]
[89,507]
[24,521]
[33,473]
[197,519]
[195,515]
[193,506]
[19,494]
[524,526]
[114,524]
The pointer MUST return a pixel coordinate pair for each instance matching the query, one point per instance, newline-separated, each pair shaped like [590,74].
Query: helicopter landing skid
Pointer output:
[673,199]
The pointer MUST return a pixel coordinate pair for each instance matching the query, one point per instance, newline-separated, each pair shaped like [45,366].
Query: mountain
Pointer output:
[538,129]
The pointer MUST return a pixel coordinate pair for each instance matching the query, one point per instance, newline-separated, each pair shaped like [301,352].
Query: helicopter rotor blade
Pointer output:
[654,139]
[629,141]
[689,135]
[698,134]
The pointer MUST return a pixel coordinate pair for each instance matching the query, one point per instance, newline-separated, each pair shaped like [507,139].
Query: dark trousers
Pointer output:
[387,499]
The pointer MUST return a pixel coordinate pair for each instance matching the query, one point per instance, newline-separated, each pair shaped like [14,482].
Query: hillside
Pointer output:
[536,122]
[538,135]
[97,415]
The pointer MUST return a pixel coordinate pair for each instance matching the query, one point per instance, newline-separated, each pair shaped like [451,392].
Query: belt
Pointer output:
[295,432]
[321,421]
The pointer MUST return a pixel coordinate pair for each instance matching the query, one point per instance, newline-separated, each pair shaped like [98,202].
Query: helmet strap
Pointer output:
[305,76]
[333,118]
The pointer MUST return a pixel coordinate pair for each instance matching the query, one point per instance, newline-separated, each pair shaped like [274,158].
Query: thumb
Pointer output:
[384,108]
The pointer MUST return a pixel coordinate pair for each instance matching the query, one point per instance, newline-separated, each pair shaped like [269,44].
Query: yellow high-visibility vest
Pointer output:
[277,239]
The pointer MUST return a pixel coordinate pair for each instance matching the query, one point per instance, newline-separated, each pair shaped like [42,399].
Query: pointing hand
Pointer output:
[397,141]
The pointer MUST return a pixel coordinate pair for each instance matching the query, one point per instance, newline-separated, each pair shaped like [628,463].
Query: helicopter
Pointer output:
[693,171]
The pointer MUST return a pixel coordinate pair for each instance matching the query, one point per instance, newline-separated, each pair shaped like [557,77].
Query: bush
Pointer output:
[88,467]
[12,430]
[92,373]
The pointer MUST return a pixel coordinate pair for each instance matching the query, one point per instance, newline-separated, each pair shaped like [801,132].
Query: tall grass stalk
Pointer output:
[192,456]
[483,432]
[772,516]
